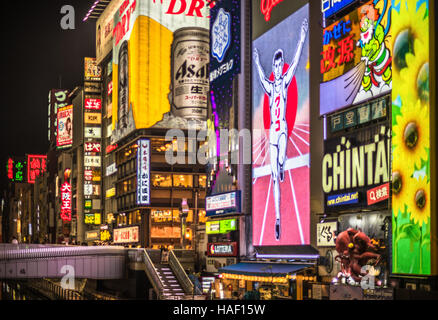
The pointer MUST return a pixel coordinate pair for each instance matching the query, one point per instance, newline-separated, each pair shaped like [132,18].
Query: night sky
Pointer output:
[35,53]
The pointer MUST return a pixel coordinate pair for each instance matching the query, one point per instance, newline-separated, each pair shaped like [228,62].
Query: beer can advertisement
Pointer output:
[160,65]
[356,59]
[64,136]
[281,133]
[413,217]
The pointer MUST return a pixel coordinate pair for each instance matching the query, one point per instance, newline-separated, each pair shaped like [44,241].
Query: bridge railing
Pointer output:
[181,275]
[17,252]
[141,255]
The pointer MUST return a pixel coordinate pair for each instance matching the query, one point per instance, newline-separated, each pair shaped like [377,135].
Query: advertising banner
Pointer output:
[66,201]
[126,235]
[111,169]
[64,138]
[353,166]
[92,71]
[104,30]
[36,165]
[92,118]
[57,99]
[356,61]
[92,161]
[331,7]
[144,172]
[412,218]
[326,233]
[222,249]
[16,169]
[223,204]
[221,226]
[92,147]
[93,132]
[160,71]
[93,103]
[281,136]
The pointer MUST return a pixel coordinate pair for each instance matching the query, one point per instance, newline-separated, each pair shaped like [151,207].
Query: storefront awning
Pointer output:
[264,269]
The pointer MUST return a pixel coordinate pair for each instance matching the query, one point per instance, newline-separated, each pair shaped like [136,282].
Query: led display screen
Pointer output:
[356,57]
[281,133]
[411,170]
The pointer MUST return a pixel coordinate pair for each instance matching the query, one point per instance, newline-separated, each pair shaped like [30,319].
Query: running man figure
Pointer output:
[278,133]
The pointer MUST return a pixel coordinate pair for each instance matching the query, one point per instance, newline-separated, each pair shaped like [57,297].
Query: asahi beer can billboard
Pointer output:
[160,65]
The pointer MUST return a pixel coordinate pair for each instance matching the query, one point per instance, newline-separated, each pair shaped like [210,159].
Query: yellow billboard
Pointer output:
[160,64]
[93,118]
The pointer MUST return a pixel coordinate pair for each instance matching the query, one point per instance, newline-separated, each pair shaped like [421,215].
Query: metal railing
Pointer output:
[181,275]
[18,252]
[141,255]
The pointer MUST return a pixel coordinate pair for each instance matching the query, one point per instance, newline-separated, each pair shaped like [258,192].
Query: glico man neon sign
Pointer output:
[266,7]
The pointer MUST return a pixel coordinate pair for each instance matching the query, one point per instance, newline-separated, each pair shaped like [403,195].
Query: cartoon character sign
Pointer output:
[356,60]
[281,134]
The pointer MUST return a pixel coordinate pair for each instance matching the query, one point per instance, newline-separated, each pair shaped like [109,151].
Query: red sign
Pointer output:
[110,88]
[378,194]
[10,169]
[266,7]
[36,165]
[222,249]
[93,104]
[111,148]
[66,202]
[92,147]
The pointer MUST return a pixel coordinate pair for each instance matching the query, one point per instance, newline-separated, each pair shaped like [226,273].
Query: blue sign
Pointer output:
[225,42]
[223,204]
[343,199]
[330,7]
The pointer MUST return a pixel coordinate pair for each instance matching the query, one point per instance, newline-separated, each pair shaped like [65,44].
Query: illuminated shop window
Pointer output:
[162,180]
[203,181]
[202,216]
[183,181]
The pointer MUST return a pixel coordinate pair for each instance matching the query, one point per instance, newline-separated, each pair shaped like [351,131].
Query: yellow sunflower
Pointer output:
[399,190]
[407,26]
[411,136]
[418,200]
[415,84]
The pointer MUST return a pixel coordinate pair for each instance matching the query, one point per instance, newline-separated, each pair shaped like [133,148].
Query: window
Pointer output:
[183,181]
[203,182]
[162,180]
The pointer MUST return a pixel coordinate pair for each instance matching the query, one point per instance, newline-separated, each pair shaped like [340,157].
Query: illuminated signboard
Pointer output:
[64,136]
[222,249]
[354,164]
[223,204]
[88,204]
[152,29]
[57,99]
[10,169]
[342,199]
[281,125]
[111,148]
[66,198]
[143,172]
[93,104]
[413,220]
[356,58]
[92,118]
[94,218]
[92,161]
[110,193]
[36,165]
[92,235]
[378,194]
[221,226]
[92,147]
[92,71]
[126,235]
[326,233]
[104,30]
[92,190]
[331,7]
[111,169]
[93,132]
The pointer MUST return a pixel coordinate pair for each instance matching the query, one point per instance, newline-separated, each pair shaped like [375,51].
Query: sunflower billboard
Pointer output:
[411,192]
[356,58]
[160,65]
